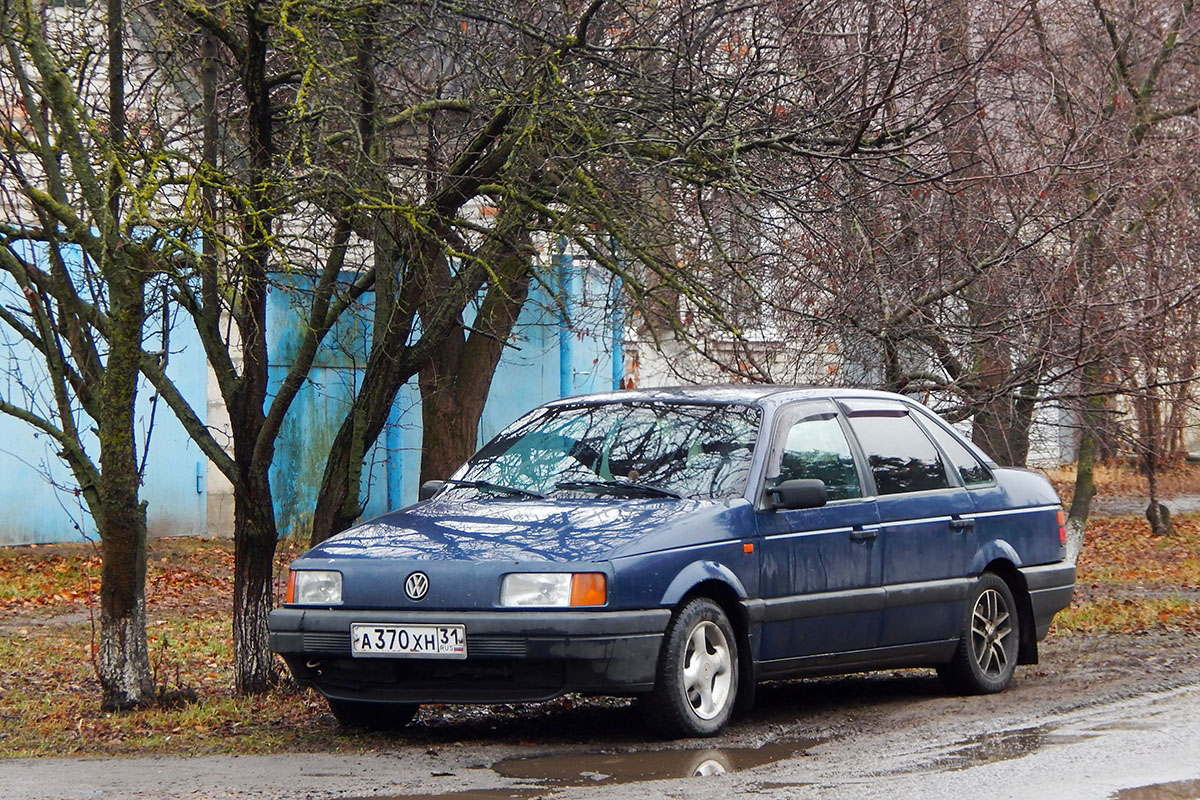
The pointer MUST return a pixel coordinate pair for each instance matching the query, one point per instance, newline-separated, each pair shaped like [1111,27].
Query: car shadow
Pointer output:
[576,720]
[778,700]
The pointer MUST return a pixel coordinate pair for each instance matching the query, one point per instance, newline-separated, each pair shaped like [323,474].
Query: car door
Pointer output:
[821,578]
[927,536]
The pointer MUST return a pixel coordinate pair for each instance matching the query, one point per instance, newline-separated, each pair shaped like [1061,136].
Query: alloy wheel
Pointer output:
[991,626]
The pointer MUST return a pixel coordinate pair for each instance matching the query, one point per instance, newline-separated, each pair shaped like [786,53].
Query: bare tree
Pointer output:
[78,256]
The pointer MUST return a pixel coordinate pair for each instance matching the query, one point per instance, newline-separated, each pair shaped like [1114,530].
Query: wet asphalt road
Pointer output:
[890,736]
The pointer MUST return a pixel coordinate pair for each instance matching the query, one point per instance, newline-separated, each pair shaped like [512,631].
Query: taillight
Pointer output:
[1062,528]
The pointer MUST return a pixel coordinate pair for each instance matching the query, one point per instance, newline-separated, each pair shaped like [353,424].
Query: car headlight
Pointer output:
[314,587]
[554,589]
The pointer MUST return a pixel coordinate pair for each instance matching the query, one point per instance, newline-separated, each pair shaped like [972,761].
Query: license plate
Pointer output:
[408,641]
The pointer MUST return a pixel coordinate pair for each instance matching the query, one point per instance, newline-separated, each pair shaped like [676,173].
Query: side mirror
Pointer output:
[429,489]
[798,493]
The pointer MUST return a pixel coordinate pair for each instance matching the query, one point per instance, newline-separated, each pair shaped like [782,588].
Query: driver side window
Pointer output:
[816,447]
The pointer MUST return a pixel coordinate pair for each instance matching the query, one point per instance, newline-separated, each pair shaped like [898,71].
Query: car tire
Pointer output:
[986,656]
[696,684]
[372,716]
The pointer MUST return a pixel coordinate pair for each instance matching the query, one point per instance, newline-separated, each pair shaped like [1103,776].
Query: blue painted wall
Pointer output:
[551,354]
[37,490]
[545,347]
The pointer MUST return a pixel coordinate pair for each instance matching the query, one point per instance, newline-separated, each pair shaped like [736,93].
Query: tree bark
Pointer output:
[457,379]
[391,362]
[1091,418]
[124,662]
[254,565]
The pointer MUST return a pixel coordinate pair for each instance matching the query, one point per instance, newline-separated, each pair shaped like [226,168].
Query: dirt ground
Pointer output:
[894,734]
[1074,671]
[847,732]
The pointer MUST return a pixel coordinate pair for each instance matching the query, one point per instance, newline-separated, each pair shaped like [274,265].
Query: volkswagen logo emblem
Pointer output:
[416,585]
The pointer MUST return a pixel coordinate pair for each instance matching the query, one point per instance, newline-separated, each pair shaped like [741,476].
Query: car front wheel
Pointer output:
[987,647]
[697,680]
[373,716]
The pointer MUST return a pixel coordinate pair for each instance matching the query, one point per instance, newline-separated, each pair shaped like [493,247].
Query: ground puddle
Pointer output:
[565,770]
[1003,746]
[1179,790]
[588,769]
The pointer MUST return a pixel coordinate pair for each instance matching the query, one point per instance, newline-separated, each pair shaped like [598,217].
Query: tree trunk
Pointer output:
[449,418]
[254,568]
[1159,517]
[1001,429]
[1150,409]
[457,378]
[393,361]
[124,662]
[339,502]
[1091,417]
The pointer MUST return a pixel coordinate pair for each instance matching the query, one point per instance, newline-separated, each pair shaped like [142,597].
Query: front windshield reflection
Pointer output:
[692,450]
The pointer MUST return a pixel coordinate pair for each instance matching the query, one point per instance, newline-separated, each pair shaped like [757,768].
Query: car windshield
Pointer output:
[628,449]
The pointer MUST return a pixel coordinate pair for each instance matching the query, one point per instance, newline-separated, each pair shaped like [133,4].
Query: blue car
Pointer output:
[680,545]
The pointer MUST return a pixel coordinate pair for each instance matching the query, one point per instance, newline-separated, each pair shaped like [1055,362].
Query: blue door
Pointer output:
[926,522]
[821,567]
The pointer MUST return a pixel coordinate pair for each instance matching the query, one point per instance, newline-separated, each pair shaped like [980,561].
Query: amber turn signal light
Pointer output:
[290,595]
[589,589]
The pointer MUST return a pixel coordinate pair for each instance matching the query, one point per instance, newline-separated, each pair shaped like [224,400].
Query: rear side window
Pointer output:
[902,458]
[972,472]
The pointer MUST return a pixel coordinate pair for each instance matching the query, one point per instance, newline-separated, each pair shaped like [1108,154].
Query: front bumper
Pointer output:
[511,655]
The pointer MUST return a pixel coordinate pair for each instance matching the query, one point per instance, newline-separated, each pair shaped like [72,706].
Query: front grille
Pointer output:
[327,643]
[496,646]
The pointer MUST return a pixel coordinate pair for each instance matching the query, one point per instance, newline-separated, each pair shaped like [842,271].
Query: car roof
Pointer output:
[756,394]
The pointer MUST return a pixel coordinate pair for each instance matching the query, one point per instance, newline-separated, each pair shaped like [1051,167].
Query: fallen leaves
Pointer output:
[1129,580]
[49,700]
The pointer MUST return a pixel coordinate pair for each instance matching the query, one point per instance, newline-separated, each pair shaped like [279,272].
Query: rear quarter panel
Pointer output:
[1017,519]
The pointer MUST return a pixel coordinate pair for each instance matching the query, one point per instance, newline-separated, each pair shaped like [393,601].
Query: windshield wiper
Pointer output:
[618,487]
[488,486]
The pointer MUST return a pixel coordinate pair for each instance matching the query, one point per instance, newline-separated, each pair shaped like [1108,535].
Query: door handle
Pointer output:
[863,534]
[962,524]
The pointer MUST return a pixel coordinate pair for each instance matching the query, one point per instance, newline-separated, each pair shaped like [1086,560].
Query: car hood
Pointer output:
[530,530]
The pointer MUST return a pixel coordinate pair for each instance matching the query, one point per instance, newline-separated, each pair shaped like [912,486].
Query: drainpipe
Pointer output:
[394,444]
[562,268]
[618,321]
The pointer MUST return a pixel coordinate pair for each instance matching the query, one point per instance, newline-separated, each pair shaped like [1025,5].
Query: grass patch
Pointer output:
[1129,580]
[1131,615]
[49,694]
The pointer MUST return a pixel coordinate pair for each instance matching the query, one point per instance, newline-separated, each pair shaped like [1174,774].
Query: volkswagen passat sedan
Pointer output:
[681,545]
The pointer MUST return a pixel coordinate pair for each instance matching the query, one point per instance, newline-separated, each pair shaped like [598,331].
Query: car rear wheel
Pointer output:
[987,647]
[373,716]
[697,680]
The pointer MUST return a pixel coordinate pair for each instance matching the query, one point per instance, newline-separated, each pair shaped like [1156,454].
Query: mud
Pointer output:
[1179,790]
[1099,716]
[566,770]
